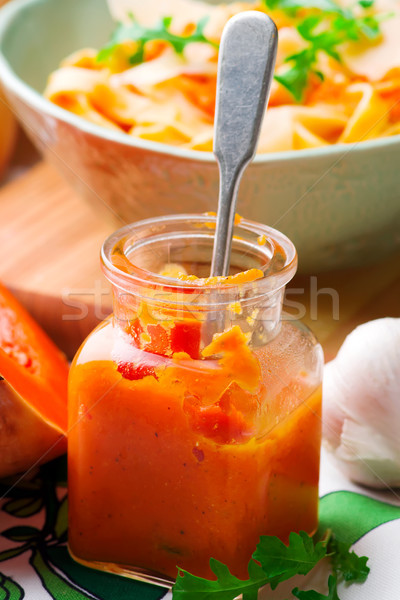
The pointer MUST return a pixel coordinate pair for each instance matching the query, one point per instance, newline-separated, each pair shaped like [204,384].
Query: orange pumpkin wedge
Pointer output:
[33,391]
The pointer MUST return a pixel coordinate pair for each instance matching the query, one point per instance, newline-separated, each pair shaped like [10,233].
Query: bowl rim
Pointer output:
[13,83]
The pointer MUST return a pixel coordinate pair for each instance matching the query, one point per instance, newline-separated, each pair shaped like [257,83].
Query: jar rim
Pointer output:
[270,283]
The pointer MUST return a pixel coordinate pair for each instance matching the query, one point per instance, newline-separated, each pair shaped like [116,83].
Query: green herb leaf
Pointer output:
[226,587]
[133,31]
[277,562]
[313,595]
[347,565]
[296,78]
[366,3]
[327,27]
[272,563]
[325,5]
[280,562]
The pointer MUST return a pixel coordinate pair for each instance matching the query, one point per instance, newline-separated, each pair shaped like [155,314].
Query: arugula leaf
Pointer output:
[313,595]
[226,587]
[277,562]
[281,562]
[133,31]
[347,565]
[274,562]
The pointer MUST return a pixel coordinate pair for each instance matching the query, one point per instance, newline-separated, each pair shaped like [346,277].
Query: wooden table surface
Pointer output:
[50,241]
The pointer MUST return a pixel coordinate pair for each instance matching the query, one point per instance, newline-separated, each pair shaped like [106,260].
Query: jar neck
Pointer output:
[139,260]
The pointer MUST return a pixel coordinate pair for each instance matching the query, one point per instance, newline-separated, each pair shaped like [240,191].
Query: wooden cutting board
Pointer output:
[50,242]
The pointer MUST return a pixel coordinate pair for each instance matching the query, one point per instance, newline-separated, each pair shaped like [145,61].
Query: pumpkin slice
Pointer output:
[33,391]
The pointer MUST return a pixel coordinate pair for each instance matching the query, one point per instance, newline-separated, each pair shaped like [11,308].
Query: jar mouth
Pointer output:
[128,255]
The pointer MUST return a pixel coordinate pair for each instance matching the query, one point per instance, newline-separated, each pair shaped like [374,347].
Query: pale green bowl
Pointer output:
[340,205]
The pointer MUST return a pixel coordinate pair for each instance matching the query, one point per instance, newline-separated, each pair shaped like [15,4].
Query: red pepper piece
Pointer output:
[185,337]
[135,372]
[224,428]
[159,340]
[223,424]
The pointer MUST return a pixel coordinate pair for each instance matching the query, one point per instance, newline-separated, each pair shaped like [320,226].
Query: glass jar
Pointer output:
[195,409]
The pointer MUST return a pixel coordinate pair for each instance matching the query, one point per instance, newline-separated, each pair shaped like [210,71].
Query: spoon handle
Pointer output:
[245,68]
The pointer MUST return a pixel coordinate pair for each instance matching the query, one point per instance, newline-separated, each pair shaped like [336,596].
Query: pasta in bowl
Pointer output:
[337,201]
[156,78]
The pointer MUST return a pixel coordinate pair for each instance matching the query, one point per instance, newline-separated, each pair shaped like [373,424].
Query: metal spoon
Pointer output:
[245,67]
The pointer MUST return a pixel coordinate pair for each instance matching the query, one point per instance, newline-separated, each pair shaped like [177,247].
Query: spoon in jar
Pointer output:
[245,68]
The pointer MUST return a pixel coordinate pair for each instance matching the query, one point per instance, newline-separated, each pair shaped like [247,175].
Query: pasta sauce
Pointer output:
[191,437]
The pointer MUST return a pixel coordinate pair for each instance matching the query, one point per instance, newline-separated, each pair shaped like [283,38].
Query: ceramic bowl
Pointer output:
[340,205]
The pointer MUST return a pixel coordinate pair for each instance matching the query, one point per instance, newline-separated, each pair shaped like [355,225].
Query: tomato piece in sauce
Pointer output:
[186,337]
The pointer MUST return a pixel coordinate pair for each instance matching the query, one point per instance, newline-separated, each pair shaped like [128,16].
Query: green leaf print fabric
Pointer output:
[33,528]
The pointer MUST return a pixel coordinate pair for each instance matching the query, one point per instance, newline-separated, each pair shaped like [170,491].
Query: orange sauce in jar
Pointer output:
[173,460]
[186,445]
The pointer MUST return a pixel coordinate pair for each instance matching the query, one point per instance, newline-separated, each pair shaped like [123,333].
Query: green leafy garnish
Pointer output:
[281,562]
[326,5]
[324,30]
[133,31]
[313,595]
[226,587]
[366,3]
[348,565]
[274,562]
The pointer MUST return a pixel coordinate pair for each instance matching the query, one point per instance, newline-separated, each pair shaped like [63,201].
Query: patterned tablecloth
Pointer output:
[35,563]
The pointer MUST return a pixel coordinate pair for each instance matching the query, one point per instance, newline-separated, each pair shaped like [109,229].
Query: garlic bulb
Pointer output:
[361,404]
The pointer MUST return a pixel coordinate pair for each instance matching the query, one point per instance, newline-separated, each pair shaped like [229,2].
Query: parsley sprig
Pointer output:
[274,562]
[133,31]
[324,30]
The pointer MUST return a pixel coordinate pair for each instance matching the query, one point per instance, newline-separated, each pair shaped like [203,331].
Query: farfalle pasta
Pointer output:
[168,96]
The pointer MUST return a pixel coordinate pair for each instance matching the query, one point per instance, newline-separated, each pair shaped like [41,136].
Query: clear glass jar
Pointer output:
[195,410]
